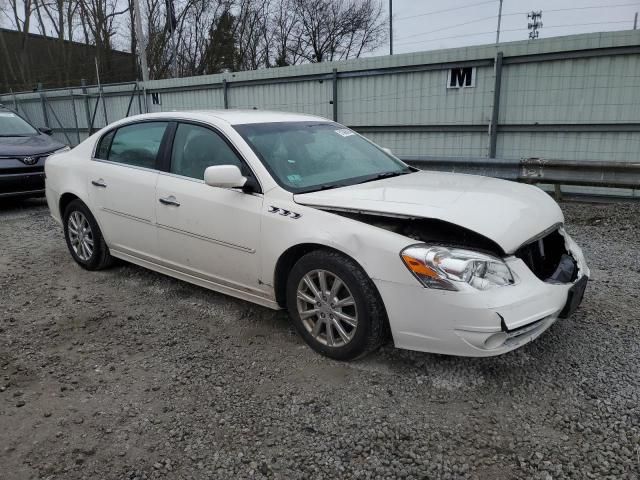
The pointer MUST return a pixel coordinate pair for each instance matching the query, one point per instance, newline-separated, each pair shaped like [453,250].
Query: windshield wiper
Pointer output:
[382,175]
[328,186]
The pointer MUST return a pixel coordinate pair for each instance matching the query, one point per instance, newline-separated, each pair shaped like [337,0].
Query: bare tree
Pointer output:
[210,35]
[59,16]
[287,42]
[334,30]
[100,18]
[20,19]
[250,32]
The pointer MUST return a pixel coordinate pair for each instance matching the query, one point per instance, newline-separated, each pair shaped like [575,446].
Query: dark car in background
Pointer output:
[23,151]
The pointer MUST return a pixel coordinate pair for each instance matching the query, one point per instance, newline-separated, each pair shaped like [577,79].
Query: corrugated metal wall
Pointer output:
[575,97]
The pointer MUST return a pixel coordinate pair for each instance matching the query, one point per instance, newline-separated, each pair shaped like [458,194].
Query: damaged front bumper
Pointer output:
[482,323]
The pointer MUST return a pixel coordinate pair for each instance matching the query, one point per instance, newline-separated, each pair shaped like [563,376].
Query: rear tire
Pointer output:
[335,306]
[84,238]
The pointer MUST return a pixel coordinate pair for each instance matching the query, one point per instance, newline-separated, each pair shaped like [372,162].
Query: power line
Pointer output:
[447,38]
[510,30]
[583,8]
[573,25]
[508,15]
[434,12]
[475,20]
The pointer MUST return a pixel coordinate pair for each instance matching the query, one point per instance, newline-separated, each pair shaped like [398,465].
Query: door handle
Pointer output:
[99,183]
[171,200]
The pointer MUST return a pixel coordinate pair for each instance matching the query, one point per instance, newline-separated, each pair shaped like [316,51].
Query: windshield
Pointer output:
[309,156]
[11,125]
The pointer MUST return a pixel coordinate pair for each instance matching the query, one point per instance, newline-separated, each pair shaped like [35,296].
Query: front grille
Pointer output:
[14,171]
[549,259]
[37,167]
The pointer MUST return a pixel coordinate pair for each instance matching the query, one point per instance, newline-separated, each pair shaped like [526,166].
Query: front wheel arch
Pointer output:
[288,259]
[370,311]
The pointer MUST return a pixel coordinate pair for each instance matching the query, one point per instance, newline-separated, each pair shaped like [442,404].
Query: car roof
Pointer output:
[236,117]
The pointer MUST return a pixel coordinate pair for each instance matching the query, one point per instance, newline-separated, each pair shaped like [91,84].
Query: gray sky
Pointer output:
[416,28]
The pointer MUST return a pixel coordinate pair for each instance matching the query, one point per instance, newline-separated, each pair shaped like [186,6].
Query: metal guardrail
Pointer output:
[538,170]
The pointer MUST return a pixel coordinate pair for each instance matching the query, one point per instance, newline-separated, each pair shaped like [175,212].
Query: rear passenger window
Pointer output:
[137,144]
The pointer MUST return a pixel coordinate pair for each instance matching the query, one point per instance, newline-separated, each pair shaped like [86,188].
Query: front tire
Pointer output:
[335,306]
[84,238]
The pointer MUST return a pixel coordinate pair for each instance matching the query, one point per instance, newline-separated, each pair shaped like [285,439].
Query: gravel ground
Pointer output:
[126,373]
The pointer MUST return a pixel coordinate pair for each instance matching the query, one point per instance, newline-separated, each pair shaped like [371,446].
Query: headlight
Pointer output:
[453,268]
[61,150]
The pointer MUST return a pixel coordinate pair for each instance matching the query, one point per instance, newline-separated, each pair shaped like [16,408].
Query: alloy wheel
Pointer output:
[80,235]
[327,308]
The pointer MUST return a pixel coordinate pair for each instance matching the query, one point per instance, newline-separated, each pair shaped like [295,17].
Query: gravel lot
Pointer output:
[129,374]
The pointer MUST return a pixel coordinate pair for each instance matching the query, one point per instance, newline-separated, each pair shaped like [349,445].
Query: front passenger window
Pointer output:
[137,144]
[195,148]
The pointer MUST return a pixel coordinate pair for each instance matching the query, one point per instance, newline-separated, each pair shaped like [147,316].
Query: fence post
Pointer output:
[15,100]
[335,94]
[85,94]
[17,107]
[75,114]
[225,93]
[557,192]
[104,106]
[55,117]
[45,116]
[495,113]
[133,94]
[139,97]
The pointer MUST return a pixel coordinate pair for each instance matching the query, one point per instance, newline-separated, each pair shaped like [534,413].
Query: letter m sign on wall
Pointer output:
[461,77]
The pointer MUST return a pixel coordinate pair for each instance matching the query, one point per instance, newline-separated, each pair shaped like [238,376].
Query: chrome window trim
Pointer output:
[204,124]
[195,180]
[181,177]
[126,165]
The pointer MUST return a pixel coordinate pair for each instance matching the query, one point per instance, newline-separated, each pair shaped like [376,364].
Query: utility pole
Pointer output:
[142,44]
[534,24]
[171,20]
[499,20]
[635,21]
[391,27]
[175,53]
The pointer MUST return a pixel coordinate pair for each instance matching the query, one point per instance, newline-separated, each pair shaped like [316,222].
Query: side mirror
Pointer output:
[46,130]
[224,176]
[388,150]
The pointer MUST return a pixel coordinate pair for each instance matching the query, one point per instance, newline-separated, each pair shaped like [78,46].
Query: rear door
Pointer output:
[122,186]
[211,232]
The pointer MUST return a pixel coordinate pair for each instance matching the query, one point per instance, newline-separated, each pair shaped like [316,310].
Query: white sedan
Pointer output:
[297,212]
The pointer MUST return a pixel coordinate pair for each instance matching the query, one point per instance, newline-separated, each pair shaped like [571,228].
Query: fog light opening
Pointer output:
[496,340]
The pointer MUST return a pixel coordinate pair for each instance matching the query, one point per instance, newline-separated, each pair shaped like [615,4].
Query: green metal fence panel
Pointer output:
[575,98]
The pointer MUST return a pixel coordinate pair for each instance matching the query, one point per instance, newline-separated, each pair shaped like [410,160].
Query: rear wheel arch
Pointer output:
[68,197]
[99,254]
[65,200]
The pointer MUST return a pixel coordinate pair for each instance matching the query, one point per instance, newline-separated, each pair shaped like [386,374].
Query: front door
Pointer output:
[210,232]
[122,186]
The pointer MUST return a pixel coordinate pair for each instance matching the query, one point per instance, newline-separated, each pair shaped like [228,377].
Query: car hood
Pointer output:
[31,145]
[506,212]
